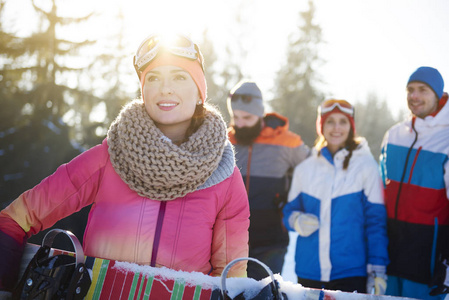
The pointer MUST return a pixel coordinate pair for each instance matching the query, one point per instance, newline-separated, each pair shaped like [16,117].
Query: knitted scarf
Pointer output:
[151,165]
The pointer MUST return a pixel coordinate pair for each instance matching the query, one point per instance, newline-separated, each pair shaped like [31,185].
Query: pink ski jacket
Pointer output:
[202,231]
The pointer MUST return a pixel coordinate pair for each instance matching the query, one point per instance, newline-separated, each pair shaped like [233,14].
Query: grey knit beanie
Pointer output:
[252,104]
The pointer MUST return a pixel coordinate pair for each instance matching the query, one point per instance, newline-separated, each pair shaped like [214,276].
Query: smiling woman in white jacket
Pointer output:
[336,205]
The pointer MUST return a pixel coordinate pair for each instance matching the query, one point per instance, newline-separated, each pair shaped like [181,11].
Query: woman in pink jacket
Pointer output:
[163,186]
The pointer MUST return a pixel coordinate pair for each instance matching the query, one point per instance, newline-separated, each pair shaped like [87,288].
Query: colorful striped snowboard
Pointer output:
[119,280]
[111,281]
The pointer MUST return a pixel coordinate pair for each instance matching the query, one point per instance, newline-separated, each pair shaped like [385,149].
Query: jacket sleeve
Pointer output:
[295,188]
[383,159]
[70,188]
[230,237]
[375,216]
[293,197]
[288,209]
[298,154]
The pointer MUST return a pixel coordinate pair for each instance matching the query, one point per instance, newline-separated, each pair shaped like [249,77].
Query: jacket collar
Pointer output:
[440,119]
[274,124]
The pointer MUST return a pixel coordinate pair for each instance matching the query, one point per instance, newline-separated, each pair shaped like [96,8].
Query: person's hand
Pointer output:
[440,280]
[304,224]
[376,283]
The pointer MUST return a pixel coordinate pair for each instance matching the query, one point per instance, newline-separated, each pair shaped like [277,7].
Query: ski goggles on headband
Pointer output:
[178,45]
[330,105]
[244,97]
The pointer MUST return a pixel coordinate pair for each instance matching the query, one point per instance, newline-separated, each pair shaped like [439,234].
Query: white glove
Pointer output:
[305,224]
[376,283]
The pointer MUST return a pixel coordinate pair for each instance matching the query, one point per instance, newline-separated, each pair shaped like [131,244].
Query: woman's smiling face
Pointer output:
[336,129]
[170,97]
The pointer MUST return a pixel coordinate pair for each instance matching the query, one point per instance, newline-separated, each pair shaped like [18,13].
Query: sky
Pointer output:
[371,47]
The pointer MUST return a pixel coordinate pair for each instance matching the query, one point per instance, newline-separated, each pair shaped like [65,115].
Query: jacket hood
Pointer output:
[275,124]
[275,131]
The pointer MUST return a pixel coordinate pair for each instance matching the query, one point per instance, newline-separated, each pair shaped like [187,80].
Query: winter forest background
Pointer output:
[58,95]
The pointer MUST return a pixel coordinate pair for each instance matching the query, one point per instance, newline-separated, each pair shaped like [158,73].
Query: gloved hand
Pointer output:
[305,224]
[376,283]
[440,280]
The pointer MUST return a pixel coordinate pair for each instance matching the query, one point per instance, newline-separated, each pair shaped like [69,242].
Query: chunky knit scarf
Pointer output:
[151,165]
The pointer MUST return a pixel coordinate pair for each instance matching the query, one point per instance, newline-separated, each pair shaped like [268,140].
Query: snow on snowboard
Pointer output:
[120,280]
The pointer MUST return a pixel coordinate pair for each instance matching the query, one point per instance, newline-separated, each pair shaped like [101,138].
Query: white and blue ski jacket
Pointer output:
[350,207]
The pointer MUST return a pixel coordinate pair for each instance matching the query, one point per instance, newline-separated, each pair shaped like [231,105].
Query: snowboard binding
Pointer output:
[269,292]
[54,277]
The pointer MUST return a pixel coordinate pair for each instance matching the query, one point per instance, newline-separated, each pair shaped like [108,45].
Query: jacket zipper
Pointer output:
[413,165]
[405,170]
[157,233]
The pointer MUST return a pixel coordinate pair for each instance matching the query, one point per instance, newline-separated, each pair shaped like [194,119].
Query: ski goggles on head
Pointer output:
[178,45]
[329,105]
[244,97]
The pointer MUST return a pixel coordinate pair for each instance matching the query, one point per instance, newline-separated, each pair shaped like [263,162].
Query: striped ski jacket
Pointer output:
[352,217]
[415,171]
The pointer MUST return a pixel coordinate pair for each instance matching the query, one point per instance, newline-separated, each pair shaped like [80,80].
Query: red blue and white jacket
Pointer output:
[415,170]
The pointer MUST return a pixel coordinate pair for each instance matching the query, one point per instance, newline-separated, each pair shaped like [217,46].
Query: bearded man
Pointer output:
[266,152]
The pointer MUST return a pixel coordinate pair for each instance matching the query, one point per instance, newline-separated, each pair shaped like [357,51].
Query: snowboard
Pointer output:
[110,280]
[121,280]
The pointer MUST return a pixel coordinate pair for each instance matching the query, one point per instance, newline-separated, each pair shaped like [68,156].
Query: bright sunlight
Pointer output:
[370,46]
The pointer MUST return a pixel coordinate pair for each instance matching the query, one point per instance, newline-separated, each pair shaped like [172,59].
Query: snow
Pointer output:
[249,286]
[287,280]
[235,286]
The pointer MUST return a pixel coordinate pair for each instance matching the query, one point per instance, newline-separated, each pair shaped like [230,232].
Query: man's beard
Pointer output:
[246,135]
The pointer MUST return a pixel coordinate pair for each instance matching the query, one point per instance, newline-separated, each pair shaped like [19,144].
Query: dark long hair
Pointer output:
[197,120]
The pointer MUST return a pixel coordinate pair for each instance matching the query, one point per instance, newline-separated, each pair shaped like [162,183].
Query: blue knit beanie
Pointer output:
[431,77]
